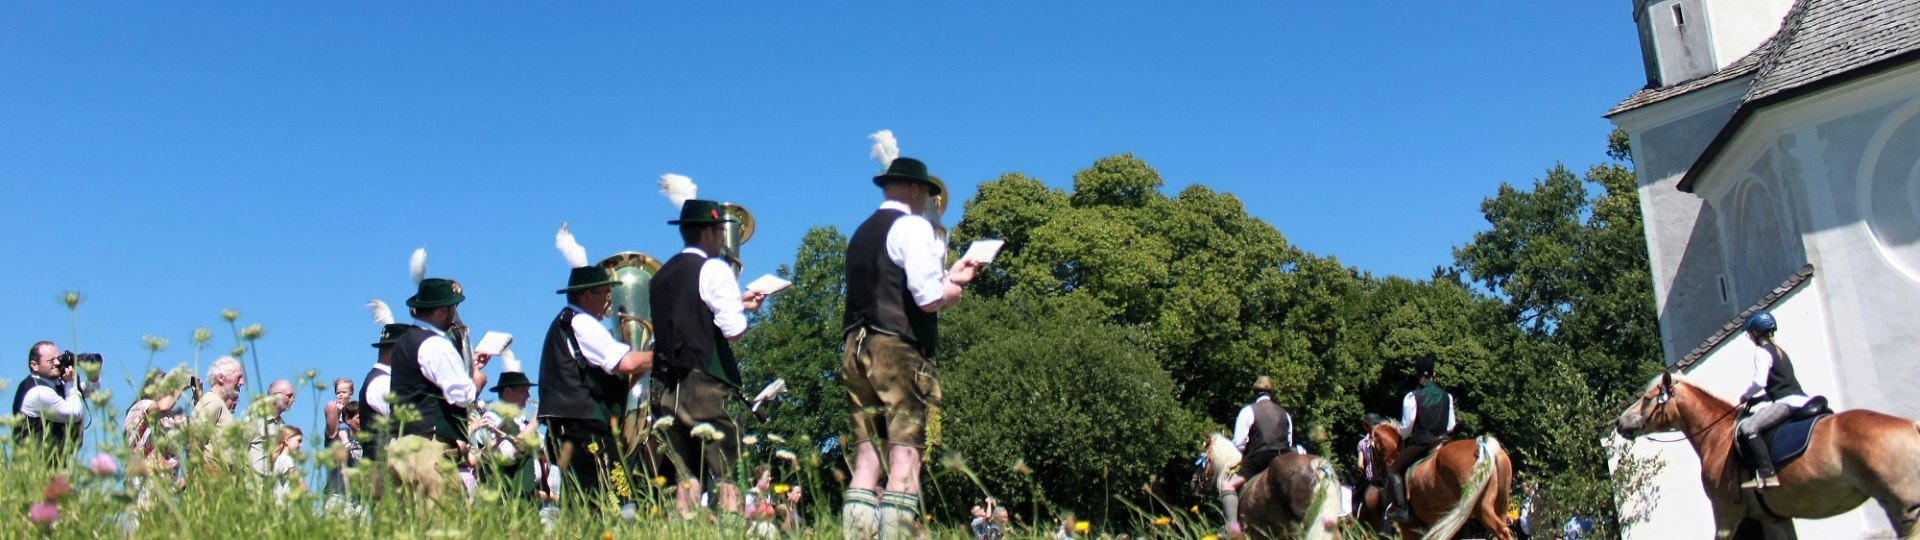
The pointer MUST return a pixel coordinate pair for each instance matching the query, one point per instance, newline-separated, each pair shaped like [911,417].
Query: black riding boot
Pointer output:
[1762,457]
[1397,488]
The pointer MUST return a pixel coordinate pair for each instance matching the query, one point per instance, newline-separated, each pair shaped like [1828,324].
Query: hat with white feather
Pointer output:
[681,190]
[907,169]
[389,332]
[583,276]
[433,292]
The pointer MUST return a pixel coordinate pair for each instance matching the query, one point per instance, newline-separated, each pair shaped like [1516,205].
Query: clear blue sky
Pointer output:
[170,159]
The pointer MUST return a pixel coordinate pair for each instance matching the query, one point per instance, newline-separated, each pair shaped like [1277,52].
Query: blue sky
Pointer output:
[169,160]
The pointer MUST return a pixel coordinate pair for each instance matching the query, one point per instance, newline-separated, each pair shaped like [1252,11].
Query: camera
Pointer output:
[69,358]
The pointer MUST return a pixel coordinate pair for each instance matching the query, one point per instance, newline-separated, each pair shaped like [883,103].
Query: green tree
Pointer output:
[797,338]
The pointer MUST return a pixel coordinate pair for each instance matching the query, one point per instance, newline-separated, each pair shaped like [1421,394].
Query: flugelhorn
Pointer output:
[735,233]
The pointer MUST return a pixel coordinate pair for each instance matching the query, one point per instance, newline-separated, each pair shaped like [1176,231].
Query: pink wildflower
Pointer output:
[57,488]
[43,513]
[103,465]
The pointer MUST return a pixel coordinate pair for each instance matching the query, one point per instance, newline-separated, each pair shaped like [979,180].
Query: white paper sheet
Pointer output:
[984,250]
[493,343]
[769,284]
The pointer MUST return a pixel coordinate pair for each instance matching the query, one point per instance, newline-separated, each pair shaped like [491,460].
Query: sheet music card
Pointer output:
[983,251]
[769,284]
[494,343]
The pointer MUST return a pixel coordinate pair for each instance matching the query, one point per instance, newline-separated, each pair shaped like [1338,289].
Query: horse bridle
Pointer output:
[1666,395]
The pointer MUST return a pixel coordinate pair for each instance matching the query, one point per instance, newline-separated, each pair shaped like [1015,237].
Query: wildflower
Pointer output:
[230,314]
[1162,521]
[659,480]
[89,369]
[103,464]
[252,332]
[310,374]
[43,514]
[154,343]
[5,384]
[1209,537]
[785,454]
[71,299]
[775,439]
[319,385]
[606,535]
[1082,526]
[504,409]
[57,488]
[750,440]
[12,420]
[705,431]
[1195,509]
[663,423]
[239,351]
[1020,467]
[101,397]
[953,461]
[781,489]
[201,336]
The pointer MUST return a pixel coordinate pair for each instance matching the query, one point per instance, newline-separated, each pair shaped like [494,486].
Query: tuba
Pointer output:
[632,313]
[936,206]
[736,233]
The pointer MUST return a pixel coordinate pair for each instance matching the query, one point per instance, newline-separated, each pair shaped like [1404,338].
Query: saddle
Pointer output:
[1789,440]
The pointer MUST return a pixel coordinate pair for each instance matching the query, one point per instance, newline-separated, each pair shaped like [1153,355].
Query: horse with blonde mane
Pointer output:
[1298,496]
[1852,456]
[1459,482]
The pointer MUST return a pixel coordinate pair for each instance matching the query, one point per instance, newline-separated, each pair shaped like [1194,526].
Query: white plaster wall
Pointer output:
[1740,25]
[1685,51]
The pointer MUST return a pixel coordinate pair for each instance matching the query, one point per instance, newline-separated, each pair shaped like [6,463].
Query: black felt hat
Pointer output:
[436,292]
[511,379]
[390,334]
[587,277]
[700,212]
[908,169]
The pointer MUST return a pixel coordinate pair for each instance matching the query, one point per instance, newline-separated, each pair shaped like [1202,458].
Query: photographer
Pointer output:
[51,401]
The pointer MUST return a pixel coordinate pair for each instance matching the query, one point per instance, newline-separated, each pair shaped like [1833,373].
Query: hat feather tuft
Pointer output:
[508,362]
[382,315]
[678,189]
[885,148]
[418,265]
[576,254]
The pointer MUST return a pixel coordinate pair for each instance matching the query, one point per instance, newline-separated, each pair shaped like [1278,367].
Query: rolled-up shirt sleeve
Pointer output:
[912,245]
[44,403]
[720,289]
[442,366]
[598,344]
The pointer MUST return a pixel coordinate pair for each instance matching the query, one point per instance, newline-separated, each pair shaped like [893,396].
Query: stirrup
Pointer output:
[1761,482]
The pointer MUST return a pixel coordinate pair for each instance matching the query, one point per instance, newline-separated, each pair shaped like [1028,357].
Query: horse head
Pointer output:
[1653,411]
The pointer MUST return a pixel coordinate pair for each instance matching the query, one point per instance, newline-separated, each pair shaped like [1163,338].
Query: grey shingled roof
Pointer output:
[1738,324]
[1836,36]
[1648,96]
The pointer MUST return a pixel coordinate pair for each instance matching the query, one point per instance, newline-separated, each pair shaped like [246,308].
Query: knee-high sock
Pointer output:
[898,512]
[1230,503]
[859,517]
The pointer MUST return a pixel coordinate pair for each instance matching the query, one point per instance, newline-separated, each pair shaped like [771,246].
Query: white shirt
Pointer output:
[1410,409]
[912,245]
[720,289]
[598,344]
[378,388]
[1243,426]
[441,364]
[1763,364]
[46,404]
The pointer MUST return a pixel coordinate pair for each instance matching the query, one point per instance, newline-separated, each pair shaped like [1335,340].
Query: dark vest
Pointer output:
[571,387]
[877,293]
[685,337]
[1780,380]
[371,420]
[439,419]
[1272,428]
[54,435]
[1432,405]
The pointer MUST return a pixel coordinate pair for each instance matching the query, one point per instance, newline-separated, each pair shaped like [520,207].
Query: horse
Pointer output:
[1460,481]
[1852,456]
[1298,496]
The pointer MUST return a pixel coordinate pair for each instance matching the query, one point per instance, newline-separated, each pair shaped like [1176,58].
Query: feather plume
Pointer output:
[382,315]
[572,250]
[418,265]
[508,362]
[678,189]
[885,148]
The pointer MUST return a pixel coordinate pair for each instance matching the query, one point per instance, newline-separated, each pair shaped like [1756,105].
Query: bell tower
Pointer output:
[1681,40]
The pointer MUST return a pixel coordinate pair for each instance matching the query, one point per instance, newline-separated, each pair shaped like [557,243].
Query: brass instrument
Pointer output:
[736,233]
[937,206]
[632,311]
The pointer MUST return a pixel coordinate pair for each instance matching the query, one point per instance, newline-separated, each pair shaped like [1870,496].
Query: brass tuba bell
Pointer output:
[936,207]
[631,309]
[735,233]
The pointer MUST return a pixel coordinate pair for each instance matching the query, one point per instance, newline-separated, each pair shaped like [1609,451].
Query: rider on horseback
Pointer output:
[1772,399]
[1261,432]
[1426,416]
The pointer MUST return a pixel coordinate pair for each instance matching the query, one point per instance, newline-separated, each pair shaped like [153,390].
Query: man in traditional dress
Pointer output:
[1426,417]
[378,384]
[429,373]
[895,286]
[698,310]
[582,381]
[1261,431]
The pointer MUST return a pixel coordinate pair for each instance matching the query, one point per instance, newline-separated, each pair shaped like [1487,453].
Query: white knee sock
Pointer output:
[859,519]
[898,515]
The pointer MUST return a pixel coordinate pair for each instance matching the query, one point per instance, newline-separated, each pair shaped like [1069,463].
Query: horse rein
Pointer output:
[1684,435]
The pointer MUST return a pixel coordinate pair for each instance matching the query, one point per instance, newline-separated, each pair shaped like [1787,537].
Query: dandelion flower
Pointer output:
[659,480]
[1162,521]
[230,314]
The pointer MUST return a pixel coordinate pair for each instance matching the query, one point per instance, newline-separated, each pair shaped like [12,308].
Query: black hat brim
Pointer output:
[583,286]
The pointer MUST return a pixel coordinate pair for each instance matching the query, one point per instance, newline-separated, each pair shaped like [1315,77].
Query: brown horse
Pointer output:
[1298,496]
[1853,455]
[1461,481]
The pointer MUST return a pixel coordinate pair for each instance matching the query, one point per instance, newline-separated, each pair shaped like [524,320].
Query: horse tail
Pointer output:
[1323,515]
[1485,461]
